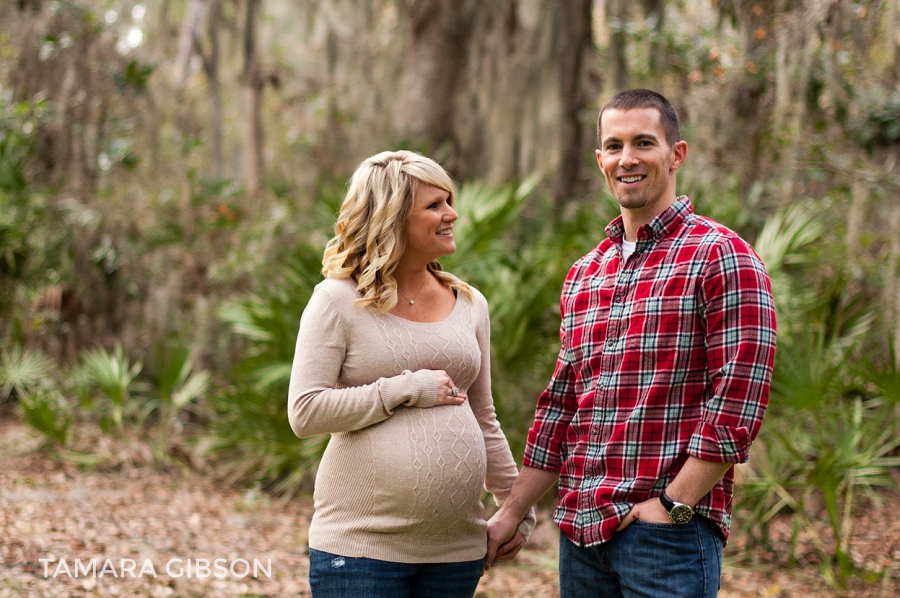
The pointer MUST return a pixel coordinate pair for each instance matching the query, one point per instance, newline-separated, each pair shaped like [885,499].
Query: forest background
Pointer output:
[171,170]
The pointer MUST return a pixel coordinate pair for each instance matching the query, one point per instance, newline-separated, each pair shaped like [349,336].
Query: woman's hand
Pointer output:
[447,392]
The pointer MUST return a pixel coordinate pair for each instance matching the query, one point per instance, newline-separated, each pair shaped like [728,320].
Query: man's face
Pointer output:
[638,163]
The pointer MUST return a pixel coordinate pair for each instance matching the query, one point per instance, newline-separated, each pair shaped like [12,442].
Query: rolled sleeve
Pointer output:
[555,409]
[739,319]
[721,444]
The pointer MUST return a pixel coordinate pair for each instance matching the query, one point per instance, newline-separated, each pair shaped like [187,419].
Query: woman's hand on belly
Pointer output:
[446,388]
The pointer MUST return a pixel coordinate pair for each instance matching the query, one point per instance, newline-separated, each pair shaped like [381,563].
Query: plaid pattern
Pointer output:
[665,356]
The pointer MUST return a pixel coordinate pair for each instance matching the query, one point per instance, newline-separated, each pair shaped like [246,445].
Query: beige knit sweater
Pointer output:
[401,479]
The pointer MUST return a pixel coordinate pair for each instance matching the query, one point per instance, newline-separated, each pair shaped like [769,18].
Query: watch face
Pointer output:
[681,514]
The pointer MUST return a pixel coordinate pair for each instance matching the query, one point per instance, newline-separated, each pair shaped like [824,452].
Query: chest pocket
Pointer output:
[661,325]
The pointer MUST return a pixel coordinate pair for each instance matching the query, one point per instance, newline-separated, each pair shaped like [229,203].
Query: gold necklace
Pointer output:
[413,300]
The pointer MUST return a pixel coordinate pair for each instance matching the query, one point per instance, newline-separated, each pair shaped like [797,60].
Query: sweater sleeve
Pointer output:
[501,467]
[316,404]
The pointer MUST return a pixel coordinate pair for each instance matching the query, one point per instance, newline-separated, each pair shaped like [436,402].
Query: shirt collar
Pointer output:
[661,226]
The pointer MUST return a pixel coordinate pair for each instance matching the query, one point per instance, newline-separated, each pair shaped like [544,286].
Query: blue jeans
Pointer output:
[335,576]
[646,560]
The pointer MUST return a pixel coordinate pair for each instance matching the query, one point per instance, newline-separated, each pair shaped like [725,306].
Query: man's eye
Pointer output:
[434,205]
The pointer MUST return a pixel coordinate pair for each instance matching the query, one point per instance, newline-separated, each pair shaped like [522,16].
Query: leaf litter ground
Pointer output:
[53,510]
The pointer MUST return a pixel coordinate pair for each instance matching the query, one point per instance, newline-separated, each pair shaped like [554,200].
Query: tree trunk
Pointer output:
[189,27]
[617,17]
[211,68]
[656,10]
[435,62]
[892,40]
[859,199]
[252,82]
[574,37]
[892,288]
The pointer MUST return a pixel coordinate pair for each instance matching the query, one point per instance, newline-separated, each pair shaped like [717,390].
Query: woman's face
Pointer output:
[429,226]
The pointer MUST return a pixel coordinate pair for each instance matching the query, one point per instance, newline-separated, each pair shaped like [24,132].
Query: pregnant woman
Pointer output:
[393,361]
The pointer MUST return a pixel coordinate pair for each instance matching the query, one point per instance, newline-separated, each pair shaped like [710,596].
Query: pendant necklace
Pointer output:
[413,300]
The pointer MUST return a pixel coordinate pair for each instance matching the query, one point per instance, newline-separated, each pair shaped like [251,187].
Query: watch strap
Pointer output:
[667,503]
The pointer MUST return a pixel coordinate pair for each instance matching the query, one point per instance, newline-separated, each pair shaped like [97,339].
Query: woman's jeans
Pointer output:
[334,576]
[649,560]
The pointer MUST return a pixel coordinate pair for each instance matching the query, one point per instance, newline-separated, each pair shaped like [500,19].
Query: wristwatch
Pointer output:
[678,511]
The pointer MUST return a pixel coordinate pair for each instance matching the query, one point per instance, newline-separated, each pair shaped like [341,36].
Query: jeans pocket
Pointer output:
[664,559]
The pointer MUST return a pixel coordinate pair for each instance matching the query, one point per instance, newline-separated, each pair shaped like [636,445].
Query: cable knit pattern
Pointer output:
[401,479]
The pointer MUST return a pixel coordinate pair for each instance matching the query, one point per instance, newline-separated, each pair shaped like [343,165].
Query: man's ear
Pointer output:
[599,155]
[679,154]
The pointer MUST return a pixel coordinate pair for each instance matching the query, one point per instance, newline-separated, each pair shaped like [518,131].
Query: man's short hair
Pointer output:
[645,98]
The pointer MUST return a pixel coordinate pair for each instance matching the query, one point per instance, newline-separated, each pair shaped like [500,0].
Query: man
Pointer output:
[668,343]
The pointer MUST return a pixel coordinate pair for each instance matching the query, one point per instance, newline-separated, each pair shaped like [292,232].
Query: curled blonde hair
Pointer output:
[369,239]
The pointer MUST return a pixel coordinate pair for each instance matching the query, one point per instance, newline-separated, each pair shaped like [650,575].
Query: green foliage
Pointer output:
[767,480]
[17,218]
[843,448]
[827,434]
[135,76]
[486,214]
[26,374]
[783,244]
[250,436]
[22,371]
[46,411]
[882,373]
[107,382]
[177,388]
[879,126]
[177,384]
[726,205]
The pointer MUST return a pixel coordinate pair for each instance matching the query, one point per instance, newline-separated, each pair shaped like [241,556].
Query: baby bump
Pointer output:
[427,468]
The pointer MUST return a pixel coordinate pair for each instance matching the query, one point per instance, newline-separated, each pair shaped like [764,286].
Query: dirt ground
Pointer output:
[142,526]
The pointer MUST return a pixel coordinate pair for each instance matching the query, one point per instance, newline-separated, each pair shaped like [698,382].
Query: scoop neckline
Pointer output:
[456,306]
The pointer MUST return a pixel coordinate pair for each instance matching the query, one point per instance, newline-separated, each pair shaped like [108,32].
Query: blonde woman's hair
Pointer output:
[369,238]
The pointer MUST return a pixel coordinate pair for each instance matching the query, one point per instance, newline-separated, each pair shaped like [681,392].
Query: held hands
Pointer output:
[504,539]
[650,511]
[447,392]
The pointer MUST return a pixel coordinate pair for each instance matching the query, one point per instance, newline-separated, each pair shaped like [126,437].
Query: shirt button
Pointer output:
[611,342]
[619,298]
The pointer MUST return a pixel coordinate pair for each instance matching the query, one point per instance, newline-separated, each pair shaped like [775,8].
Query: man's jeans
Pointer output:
[333,576]
[650,560]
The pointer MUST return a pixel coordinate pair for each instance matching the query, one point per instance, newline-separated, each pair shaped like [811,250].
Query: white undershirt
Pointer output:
[627,249]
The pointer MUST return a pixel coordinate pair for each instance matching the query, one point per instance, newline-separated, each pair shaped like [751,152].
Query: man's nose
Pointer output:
[628,158]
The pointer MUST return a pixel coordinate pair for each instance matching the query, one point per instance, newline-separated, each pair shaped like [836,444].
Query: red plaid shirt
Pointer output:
[667,355]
